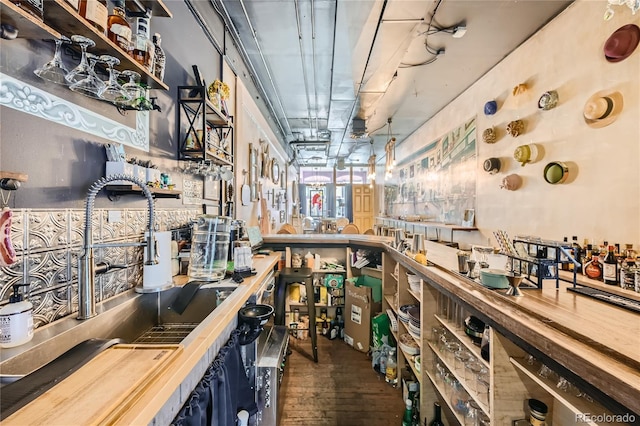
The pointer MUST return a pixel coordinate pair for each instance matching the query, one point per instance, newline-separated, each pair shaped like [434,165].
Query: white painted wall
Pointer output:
[603,202]
[250,128]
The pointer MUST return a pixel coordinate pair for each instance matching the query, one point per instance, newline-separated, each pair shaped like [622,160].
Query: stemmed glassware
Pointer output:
[55,71]
[91,85]
[83,69]
[112,90]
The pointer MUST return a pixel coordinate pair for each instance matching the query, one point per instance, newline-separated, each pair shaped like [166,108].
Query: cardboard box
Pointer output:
[363,300]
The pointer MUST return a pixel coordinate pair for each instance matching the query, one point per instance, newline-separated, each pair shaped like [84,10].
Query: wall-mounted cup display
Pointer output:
[556,172]
[489,135]
[490,108]
[515,128]
[512,182]
[548,100]
[526,154]
[492,165]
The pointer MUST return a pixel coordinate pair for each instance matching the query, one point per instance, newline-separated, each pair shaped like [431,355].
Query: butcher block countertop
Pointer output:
[165,375]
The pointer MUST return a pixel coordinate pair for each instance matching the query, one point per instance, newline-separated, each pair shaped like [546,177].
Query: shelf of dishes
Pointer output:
[437,333]
[195,101]
[61,19]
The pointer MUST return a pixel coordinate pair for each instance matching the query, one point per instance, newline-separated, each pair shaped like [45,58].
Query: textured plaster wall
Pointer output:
[602,200]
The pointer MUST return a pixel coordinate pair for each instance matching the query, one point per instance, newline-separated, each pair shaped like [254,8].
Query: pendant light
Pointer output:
[390,150]
[371,175]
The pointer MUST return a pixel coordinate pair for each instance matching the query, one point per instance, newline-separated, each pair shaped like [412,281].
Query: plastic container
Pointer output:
[209,248]
[16,320]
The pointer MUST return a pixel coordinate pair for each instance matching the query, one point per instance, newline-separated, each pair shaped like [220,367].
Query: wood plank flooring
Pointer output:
[342,389]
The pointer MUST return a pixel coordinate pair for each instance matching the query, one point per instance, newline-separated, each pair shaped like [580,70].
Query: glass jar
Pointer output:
[473,410]
[459,398]
[472,370]
[450,350]
[482,388]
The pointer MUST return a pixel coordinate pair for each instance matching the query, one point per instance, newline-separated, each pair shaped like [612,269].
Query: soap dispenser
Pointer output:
[16,320]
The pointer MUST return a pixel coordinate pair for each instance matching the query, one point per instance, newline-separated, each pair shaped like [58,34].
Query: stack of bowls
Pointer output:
[415,283]
[414,321]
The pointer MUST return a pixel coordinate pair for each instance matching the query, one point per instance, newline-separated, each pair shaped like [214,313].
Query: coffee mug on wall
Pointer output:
[492,165]
[526,154]
[556,172]
[511,182]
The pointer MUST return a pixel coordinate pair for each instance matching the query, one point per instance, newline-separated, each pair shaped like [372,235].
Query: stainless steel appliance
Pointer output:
[272,353]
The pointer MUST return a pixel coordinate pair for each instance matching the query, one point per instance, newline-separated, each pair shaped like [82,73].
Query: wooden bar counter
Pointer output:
[163,396]
[593,344]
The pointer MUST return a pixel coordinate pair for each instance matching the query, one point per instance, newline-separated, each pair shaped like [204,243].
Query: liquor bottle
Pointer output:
[391,375]
[610,268]
[34,7]
[141,43]
[437,420]
[593,269]
[95,11]
[118,29]
[161,58]
[408,411]
[577,254]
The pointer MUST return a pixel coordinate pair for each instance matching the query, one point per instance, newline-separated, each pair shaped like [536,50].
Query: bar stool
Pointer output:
[293,276]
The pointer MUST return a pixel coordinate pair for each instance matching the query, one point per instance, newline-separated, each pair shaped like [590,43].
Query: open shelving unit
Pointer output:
[62,19]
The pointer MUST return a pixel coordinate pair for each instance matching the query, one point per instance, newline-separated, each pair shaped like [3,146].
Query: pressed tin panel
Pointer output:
[49,242]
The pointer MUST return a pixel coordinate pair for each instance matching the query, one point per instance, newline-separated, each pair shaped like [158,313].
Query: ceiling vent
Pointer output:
[358,127]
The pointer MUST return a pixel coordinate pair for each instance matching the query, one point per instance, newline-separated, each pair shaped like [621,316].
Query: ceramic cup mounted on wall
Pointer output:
[556,172]
[490,108]
[548,100]
[489,135]
[515,128]
[526,154]
[512,182]
[492,165]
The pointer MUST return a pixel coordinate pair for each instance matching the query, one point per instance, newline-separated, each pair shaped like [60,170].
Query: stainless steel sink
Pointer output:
[132,317]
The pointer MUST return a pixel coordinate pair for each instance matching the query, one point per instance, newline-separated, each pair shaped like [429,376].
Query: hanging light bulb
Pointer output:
[372,164]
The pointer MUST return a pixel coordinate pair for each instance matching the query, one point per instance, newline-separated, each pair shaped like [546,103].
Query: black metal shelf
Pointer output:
[117,190]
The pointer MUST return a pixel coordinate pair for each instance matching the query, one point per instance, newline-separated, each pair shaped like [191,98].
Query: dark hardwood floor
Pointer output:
[340,390]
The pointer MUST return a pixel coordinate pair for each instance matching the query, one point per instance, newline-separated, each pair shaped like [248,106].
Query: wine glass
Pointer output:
[113,91]
[54,70]
[92,84]
[132,88]
[81,71]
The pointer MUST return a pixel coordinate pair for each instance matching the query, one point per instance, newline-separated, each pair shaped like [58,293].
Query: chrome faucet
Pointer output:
[86,264]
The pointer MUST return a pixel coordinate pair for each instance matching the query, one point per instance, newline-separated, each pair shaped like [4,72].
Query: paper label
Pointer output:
[356,314]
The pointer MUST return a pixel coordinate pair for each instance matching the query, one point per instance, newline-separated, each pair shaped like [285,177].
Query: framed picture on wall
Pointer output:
[316,200]
[211,189]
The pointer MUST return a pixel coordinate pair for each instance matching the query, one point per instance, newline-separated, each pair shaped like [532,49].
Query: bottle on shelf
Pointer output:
[484,344]
[437,416]
[382,362]
[95,11]
[610,268]
[592,269]
[161,58]
[391,375]
[563,257]
[141,42]
[408,412]
[118,29]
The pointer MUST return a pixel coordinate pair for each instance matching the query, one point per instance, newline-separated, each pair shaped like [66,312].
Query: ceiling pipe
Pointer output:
[245,57]
[314,66]
[304,68]
[364,72]
[264,63]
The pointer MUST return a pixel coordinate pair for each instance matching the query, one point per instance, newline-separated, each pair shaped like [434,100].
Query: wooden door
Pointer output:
[362,196]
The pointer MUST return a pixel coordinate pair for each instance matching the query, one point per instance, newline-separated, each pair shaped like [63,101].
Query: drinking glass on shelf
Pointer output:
[83,69]
[132,87]
[55,71]
[113,91]
[92,85]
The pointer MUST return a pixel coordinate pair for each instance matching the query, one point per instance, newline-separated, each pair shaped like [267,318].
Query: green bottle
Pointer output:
[408,412]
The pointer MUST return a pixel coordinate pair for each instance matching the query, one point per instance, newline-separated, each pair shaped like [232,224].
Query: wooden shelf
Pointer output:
[214,116]
[158,8]
[414,294]
[134,189]
[410,360]
[464,340]
[61,18]
[472,393]
[318,305]
[443,395]
[196,154]
[576,404]
[389,299]
[328,271]
[29,27]
[20,177]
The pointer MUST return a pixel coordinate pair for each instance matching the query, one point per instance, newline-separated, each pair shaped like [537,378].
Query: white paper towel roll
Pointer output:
[158,275]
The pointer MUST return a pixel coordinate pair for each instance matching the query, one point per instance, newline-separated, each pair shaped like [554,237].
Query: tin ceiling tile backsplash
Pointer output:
[49,241]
